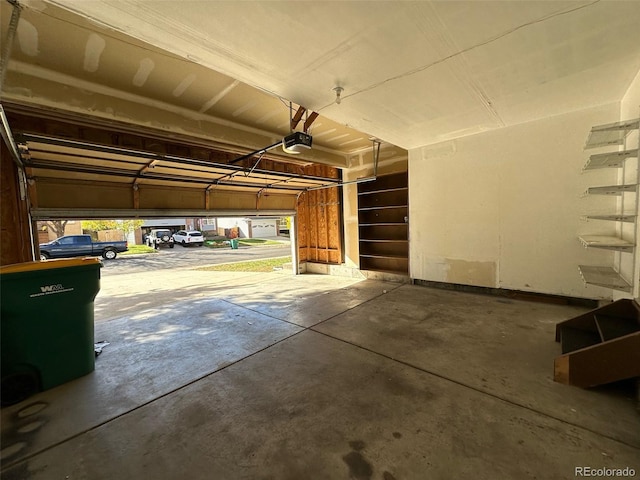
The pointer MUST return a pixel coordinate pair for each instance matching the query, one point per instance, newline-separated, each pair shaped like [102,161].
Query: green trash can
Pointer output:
[46,319]
[234,243]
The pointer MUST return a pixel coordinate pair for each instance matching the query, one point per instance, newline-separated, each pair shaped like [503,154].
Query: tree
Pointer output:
[124,225]
[57,226]
[130,225]
[97,225]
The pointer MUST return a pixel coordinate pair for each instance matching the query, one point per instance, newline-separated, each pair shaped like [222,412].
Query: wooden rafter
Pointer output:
[297,117]
[310,119]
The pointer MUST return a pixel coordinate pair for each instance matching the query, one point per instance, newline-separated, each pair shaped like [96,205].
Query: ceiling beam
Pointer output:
[310,119]
[297,117]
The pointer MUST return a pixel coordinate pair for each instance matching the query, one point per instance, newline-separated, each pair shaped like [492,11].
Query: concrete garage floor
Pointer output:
[213,375]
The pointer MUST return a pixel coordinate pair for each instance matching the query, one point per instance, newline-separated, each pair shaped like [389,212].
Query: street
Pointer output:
[189,257]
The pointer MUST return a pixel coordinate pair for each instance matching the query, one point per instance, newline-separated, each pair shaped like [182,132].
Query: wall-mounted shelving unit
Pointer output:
[625,241]
[383,224]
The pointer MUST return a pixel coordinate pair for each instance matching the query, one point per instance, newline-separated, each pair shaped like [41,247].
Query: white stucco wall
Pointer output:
[630,104]
[503,209]
[629,265]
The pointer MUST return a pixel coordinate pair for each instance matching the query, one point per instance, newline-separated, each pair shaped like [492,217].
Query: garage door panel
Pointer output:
[160,197]
[90,193]
[44,174]
[54,193]
[76,177]
[83,160]
[226,199]
[277,202]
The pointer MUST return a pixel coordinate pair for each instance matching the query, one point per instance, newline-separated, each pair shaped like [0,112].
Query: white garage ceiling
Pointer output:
[413,73]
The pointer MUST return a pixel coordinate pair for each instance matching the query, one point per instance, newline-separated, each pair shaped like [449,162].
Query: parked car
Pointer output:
[189,237]
[80,246]
[160,238]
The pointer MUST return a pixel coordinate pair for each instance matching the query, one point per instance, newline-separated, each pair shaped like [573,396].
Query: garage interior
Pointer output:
[471,185]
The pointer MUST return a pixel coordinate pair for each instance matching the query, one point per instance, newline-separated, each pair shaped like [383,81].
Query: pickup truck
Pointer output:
[80,246]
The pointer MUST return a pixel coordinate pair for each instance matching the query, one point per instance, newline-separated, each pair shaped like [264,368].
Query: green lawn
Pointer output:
[266,265]
[247,242]
[139,249]
[252,242]
[216,243]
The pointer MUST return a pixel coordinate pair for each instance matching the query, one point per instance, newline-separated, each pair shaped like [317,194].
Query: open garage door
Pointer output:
[75,179]
[84,180]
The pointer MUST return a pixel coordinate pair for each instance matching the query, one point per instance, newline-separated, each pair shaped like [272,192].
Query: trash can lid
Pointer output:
[49,264]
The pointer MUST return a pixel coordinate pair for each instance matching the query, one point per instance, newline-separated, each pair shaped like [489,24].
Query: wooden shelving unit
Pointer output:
[601,346]
[383,224]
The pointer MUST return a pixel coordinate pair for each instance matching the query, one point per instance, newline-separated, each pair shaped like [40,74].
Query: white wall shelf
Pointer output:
[616,190]
[610,160]
[604,277]
[606,241]
[611,134]
[613,218]
[623,242]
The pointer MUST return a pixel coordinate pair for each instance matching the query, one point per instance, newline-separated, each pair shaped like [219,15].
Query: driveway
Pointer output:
[189,257]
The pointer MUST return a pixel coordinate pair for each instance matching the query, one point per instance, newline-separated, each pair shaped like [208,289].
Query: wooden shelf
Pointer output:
[385,207]
[385,190]
[383,215]
[385,264]
[382,270]
[382,224]
[384,241]
[387,224]
[384,248]
[384,232]
[606,242]
[395,181]
[600,346]
[604,277]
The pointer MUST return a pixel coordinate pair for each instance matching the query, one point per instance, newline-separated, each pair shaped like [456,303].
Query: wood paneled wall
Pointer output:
[15,237]
[319,221]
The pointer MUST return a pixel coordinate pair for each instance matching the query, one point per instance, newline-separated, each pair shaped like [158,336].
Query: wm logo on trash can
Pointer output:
[51,288]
